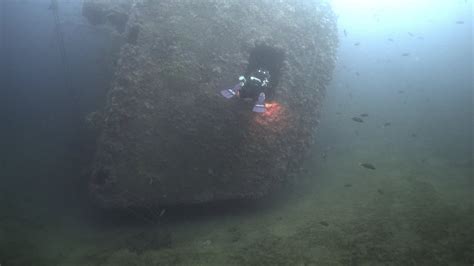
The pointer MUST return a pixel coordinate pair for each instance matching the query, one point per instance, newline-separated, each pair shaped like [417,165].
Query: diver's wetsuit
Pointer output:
[257,82]
[256,87]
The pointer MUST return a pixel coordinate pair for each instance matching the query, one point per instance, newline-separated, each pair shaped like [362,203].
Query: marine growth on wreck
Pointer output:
[167,135]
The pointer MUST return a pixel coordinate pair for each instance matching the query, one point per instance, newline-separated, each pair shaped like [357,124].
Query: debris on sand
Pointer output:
[324,223]
[368,166]
[358,119]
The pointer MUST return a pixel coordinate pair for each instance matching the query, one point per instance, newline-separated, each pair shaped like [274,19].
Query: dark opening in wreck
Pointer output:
[266,57]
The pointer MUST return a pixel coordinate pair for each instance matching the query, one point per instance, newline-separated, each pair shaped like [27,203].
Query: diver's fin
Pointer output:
[259,107]
[229,93]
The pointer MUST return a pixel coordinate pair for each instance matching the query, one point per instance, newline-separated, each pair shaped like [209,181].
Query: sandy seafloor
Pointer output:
[414,209]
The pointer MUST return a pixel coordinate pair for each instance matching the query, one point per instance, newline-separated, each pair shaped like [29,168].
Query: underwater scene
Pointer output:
[229,132]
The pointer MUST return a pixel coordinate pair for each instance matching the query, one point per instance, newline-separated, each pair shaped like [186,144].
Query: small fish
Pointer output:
[401,91]
[324,223]
[357,73]
[380,191]
[368,166]
[345,33]
[364,115]
[338,113]
[387,124]
[411,34]
[357,44]
[358,119]
[406,54]
[162,212]
[414,135]
[460,22]
[327,150]
[390,39]
[348,185]
[324,155]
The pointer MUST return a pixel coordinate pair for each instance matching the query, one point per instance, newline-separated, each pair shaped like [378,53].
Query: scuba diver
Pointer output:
[256,87]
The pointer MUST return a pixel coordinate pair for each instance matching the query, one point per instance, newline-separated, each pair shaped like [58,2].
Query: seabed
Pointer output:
[409,211]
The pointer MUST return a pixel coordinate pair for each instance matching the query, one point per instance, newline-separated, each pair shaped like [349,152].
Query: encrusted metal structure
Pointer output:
[168,137]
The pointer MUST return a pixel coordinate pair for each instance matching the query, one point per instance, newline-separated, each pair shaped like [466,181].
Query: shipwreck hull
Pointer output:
[168,137]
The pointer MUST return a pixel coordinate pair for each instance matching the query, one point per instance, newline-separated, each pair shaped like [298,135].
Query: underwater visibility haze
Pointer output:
[307,132]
